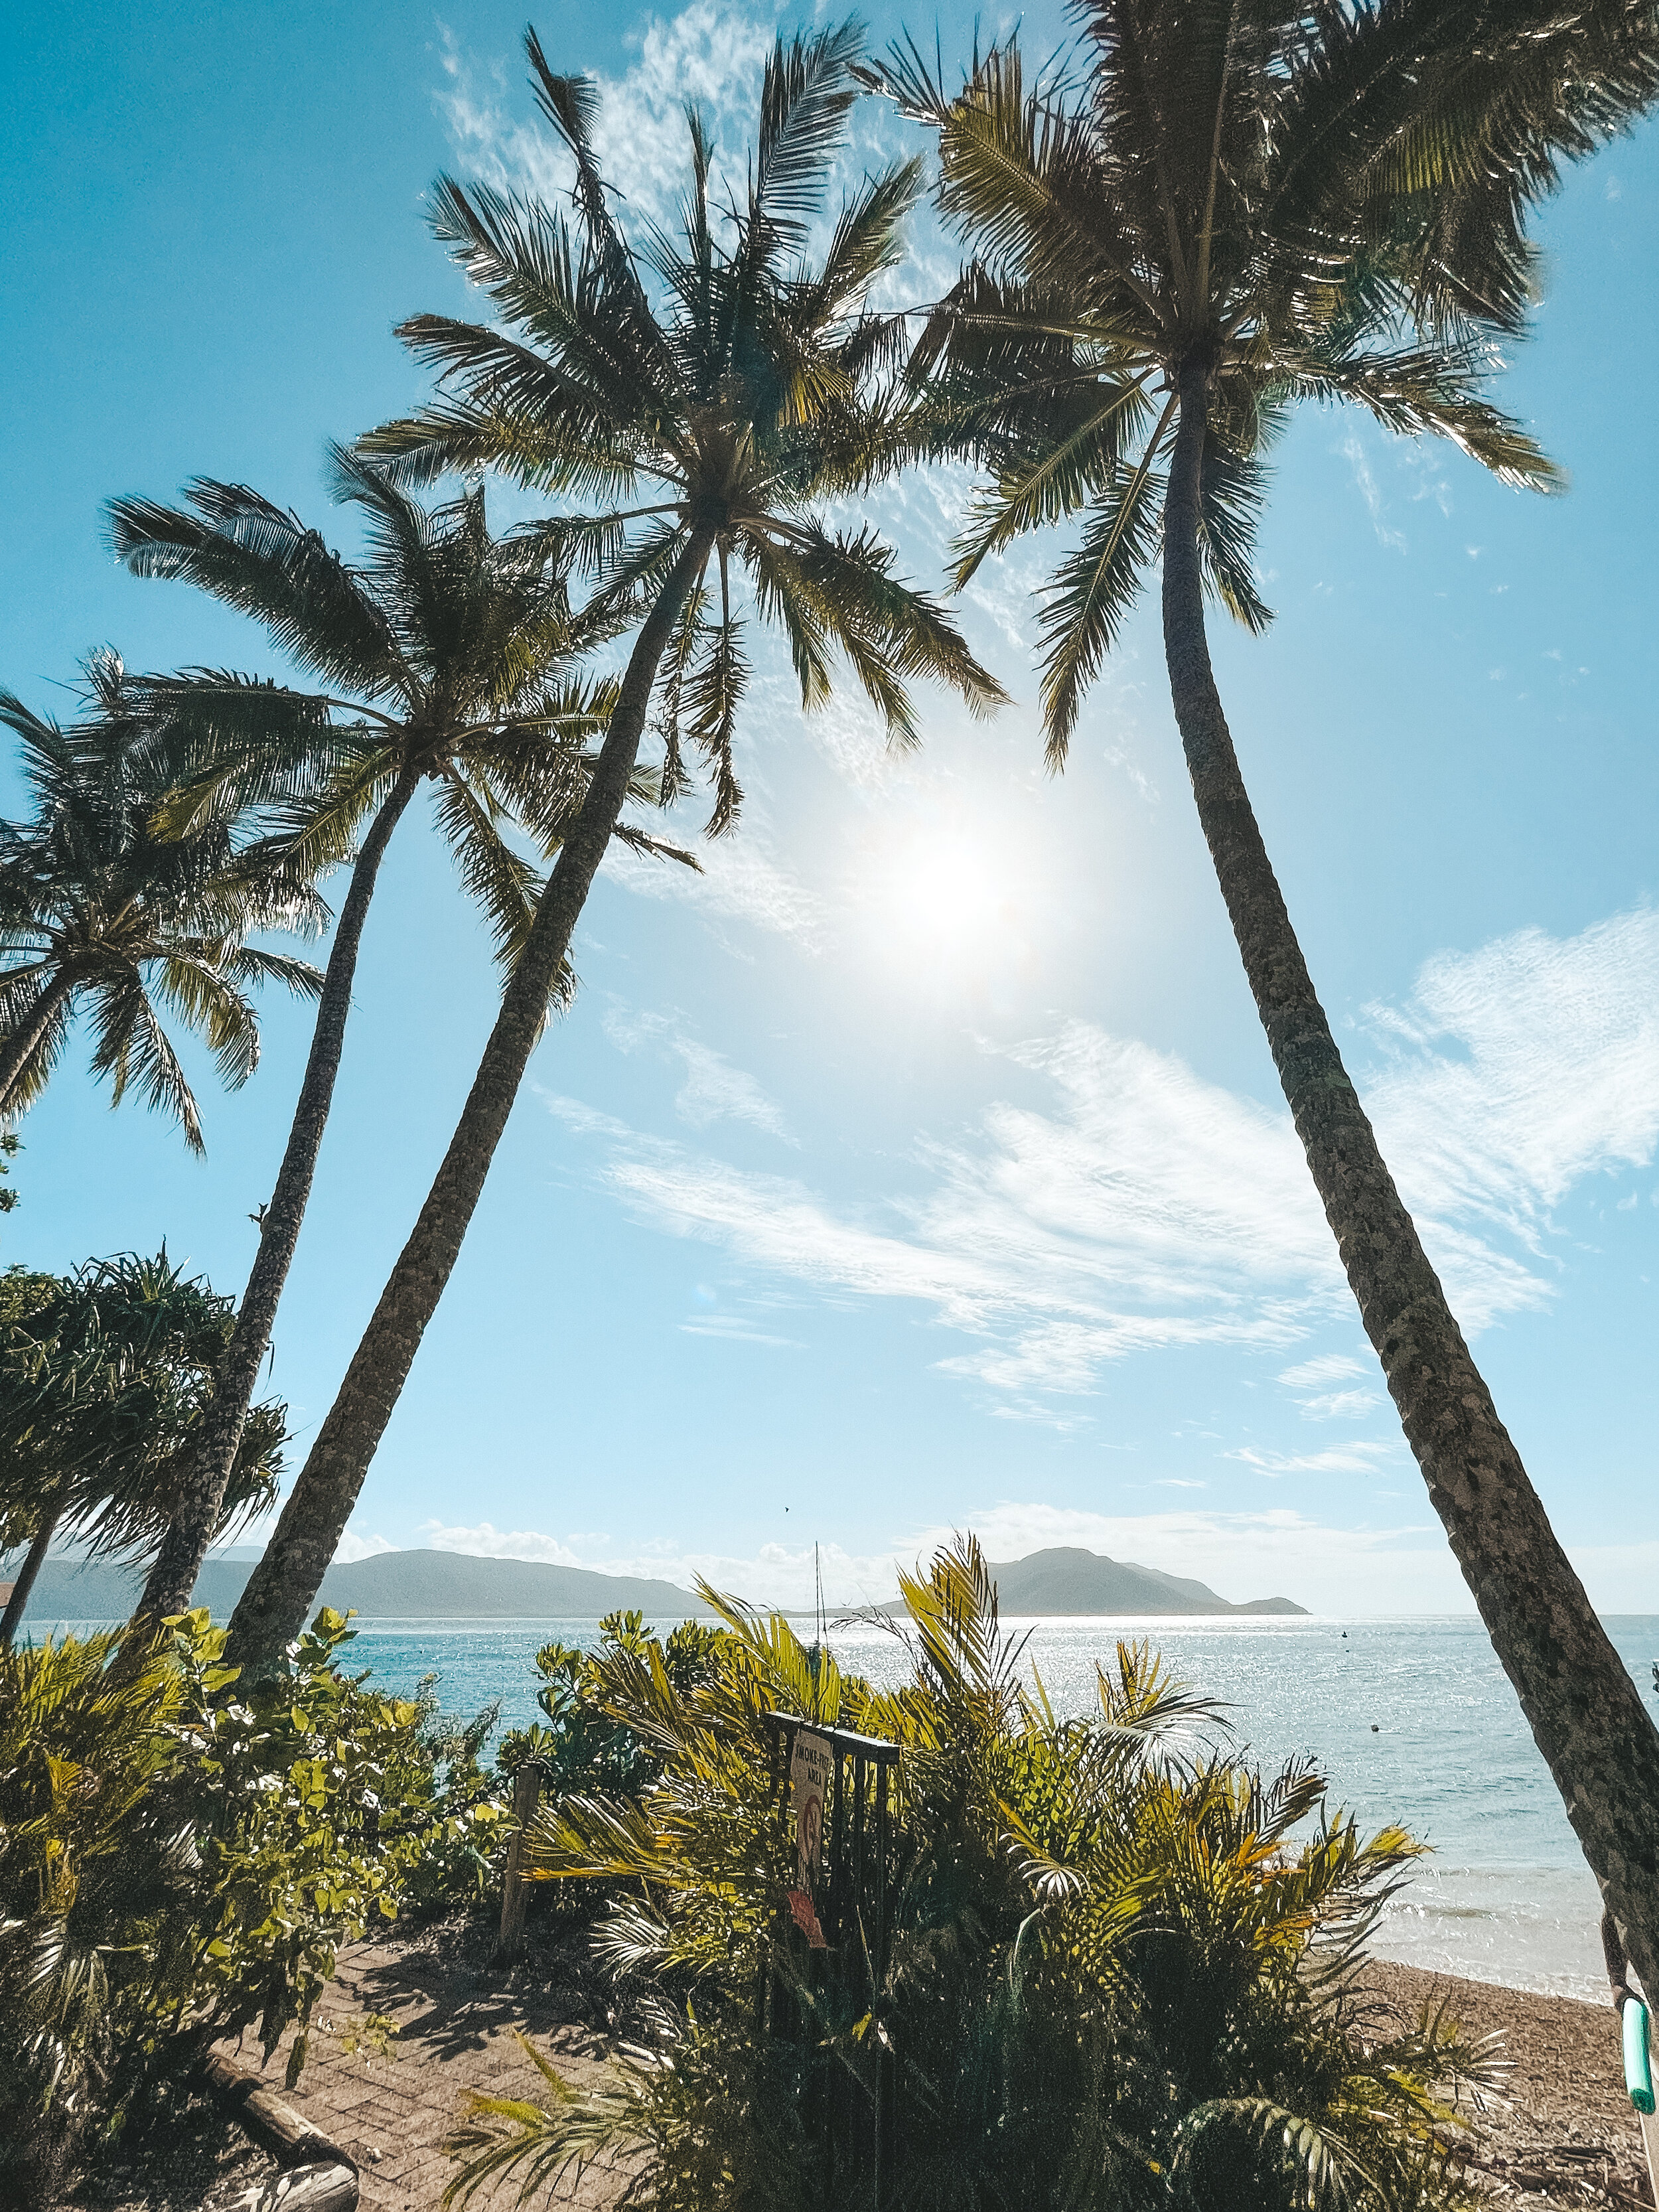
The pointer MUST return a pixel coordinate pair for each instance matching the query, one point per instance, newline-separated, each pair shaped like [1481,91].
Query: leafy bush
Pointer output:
[178,1863]
[1124,1969]
[584,1749]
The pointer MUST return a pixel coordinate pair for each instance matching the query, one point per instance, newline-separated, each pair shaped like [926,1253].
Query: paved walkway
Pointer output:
[389,2100]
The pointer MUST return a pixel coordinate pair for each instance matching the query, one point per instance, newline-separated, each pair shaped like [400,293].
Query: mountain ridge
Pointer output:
[1062,1581]
[1065,1582]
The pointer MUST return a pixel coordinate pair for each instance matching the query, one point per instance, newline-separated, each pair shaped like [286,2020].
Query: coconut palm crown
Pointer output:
[1282,204]
[456,651]
[691,406]
[98,910]
[1232,208]
[735,386]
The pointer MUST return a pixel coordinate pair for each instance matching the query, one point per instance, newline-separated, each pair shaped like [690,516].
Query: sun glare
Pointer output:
[947,900]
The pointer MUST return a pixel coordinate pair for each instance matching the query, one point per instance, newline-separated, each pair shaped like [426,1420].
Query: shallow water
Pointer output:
[1412,1720]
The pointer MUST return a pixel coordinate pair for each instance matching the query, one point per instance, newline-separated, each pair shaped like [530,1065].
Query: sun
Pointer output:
[943,893]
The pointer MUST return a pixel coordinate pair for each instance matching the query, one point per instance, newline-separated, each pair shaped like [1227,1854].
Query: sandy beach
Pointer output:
[1566,2134]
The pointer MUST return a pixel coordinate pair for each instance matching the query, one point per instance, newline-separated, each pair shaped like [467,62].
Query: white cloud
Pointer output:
[486,1542]
[352,1547]
[1340,1405]
[1354,454]
[1149,1209]
[736,880]
[1279,1553]
[713,1090]
[1517,1070]
[1357,1458]
[735,1328]
[711,53]
[1329,1367]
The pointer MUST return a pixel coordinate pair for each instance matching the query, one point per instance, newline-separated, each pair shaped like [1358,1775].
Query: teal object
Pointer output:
[1638,2070]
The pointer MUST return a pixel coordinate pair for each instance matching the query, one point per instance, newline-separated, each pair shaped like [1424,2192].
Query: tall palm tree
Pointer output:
[99,911]
[1236,209]
[104,1378]
[703,398]
[454,650]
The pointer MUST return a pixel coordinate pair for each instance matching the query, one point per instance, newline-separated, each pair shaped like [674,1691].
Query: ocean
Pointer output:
[1412,1720]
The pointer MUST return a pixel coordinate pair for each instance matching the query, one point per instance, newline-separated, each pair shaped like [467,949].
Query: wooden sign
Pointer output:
[811,1766]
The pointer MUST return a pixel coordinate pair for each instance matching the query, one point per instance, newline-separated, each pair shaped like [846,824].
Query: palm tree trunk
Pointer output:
[20,1047]
[1585,1712]
[280,1592]
[12,1620]
[173,1578]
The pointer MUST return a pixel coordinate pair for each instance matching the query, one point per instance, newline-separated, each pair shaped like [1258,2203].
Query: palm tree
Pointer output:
[1235,212]
[97,910]
[453,648]
[706,422]
[104,1378]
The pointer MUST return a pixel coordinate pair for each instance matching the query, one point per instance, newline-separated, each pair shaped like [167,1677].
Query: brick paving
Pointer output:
[390,2100]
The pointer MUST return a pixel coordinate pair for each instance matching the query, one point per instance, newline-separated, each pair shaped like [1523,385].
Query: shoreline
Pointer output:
[1565,2129]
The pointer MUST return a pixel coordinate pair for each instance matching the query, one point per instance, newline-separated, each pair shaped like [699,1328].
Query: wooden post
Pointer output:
[527,1790]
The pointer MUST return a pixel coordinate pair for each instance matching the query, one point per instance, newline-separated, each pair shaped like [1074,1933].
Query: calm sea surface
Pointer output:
[1411,1720]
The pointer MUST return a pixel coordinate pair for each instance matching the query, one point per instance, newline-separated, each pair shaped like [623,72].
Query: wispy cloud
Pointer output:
[1148,1209]
[737,879]
[1515,1072]
[485,1541]
[1357,1458]
[1272,1553]
[1340,1405]
[713,1089]
[353,1546]
[711,52]
[1370,491]
[1329,1367]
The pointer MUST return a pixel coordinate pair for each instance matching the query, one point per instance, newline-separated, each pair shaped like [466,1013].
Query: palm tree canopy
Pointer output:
[103,1375]
[713,385]
[96,906]
[1324,204]
[455,650]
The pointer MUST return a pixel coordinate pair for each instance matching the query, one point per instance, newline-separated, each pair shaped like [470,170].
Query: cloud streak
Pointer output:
[1148,1209]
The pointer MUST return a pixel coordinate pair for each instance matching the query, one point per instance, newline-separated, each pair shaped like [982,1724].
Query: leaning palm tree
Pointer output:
[694,403]
[454,651]
[1229,211]
[98,912]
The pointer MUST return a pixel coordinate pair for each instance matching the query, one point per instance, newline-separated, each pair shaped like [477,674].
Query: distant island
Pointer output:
[1068,1582]
[397,1585]
[457,1586]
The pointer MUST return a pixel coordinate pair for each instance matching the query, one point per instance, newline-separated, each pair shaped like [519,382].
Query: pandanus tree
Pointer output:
[1238,208]
[106,1377]
[691,404]
[451,653]
[101,913]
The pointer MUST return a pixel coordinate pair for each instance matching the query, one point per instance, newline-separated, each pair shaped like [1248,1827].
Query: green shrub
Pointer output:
[178,1863]
[584,1750]
[1124,1969]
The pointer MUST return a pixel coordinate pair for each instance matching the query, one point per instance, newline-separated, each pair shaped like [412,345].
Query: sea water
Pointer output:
[1412,1720]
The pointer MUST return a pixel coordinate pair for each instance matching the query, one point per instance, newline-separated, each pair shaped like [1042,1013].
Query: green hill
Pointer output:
[400,1585]
[1066,1581]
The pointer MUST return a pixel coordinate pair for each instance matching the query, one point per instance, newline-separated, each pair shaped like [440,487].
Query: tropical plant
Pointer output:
[582,1750]
[106,1377]
[1124,1969]
[740,394]
[181,1857]
[454,649]
[97,909]
[1220,214]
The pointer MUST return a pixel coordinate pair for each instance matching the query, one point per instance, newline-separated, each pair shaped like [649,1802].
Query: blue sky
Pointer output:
[921,1164]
